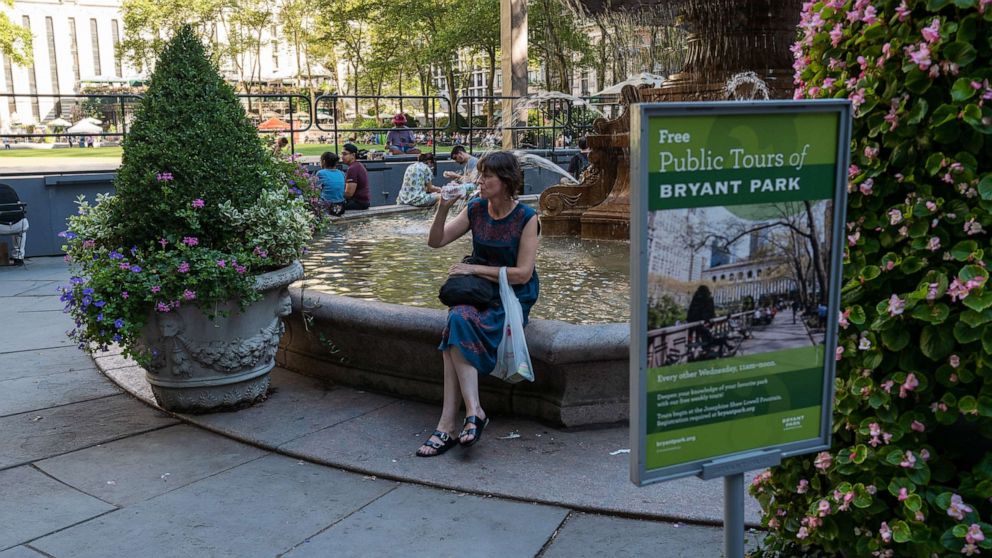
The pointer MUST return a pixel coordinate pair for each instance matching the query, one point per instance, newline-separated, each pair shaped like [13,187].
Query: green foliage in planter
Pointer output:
[191,126]
[909,472]
[201,207]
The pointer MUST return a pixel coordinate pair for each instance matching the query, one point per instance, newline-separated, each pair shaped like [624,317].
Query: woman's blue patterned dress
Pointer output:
[496,242]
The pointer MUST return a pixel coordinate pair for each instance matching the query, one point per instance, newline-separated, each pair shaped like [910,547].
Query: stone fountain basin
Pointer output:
[581,371]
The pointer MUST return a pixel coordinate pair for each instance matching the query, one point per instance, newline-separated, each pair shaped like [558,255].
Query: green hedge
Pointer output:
[909,472]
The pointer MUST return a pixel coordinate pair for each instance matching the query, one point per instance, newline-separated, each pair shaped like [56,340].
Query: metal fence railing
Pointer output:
[478,122]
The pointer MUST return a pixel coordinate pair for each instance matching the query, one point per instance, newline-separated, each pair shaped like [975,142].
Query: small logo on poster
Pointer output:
[792,423]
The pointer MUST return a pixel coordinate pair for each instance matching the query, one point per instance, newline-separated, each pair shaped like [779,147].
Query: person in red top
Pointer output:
[356,179]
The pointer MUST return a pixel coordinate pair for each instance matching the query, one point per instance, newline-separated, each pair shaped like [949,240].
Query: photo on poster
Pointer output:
[736,280]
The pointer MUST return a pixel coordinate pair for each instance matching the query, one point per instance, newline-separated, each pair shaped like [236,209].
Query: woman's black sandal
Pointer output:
[476,433]
[447,442]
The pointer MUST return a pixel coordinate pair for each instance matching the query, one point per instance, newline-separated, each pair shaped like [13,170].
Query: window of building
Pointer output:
[116,36]
[53,63]
[32,79]
[95,40]
[275,49]
[74,48]
[584,82]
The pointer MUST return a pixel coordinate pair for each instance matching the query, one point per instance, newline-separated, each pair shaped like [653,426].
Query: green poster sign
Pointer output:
[737,214]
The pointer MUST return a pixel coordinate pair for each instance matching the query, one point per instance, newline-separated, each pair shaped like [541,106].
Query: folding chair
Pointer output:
[13,221]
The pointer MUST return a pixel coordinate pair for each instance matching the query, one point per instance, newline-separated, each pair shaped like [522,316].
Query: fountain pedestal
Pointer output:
[727,37]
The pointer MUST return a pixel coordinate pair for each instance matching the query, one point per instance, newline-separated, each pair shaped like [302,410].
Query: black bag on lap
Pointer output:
[469,289]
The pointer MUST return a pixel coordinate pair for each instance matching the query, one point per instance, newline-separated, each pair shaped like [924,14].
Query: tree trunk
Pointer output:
[814,244]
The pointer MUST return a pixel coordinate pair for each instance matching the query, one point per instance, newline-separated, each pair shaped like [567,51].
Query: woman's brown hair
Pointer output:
[504,166]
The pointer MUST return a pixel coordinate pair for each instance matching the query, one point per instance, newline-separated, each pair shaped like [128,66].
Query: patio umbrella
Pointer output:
[59,122]
[92,120]
[84,127]
[273,124]
[643,78]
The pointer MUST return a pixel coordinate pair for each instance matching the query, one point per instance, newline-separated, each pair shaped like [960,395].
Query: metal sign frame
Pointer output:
[756,458]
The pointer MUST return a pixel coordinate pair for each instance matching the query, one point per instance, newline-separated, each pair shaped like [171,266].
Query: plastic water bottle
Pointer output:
[451,191]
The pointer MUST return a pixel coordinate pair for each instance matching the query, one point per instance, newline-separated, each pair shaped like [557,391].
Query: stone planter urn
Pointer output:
[201,365]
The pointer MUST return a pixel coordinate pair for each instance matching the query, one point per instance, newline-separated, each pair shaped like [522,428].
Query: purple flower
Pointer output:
[136,268]
[163,242]
[100,303]
[190,241]
[240,269]
[260,252]
[115,255]
[134,250]
[117,338]
[198,203]
[125,266]
[221,263]
[68,235]
[76,280]
[156,288]
[163,307]
[89,244]
[183,267]
[87,300]
[163,176]
[189,295]
[119,323]
[87,291]
[125,294]
[99,317]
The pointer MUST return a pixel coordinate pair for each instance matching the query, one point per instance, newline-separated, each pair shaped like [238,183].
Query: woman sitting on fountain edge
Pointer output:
[504,234]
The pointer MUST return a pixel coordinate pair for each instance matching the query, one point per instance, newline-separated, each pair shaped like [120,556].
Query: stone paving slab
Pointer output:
[43,289]
[505,461]
[37,269]
[434,523]
[14,287]
[34,505]
[298,406]
[39,362]
[21,552]
[35,330]
[594,536]
[134,469]
[39,434]
[261,508]
[51,390]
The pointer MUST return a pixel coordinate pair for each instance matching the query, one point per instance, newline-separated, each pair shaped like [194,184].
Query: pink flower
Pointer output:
[909,461]
[221,263]
[871,152]
[896,305]
[191,241]
[864,343]
[828,83]
[903,494]
[902,11]
[970,550]
[870,15]
[189,295]
[954,361]
[885,532]
[958,508]
[842,321]
[163,176]
[975,534]
[972,227]
[125,295]
[895,216]
[183,267]
[89,244]
[156,289]
[773,523]
[853,171]
[932,291]
[858,97]
[840,353]
[931,206]
[917,426]
[920,55]
[258,251]
[803,486]
[823,508]
[163,307]
[836,34]
[909,385]
[802,533]
[823,461]
[198,203]
[934,244]
[889,265]
[866,187]
[931,34]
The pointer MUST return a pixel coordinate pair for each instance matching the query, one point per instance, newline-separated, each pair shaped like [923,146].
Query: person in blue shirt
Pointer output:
[331,182]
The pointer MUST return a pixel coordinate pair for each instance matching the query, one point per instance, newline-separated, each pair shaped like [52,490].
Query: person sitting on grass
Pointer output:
[400,139]
[331,181]
[418,188]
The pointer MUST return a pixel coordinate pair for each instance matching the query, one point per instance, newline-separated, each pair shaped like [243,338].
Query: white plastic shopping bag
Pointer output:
[512,358]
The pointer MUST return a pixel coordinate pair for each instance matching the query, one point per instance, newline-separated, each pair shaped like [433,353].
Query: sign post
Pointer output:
[737,228]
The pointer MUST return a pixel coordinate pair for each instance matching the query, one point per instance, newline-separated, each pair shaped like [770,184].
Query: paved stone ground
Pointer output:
[86,469]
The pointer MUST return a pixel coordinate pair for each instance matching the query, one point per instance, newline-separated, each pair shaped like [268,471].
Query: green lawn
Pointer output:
[308,149]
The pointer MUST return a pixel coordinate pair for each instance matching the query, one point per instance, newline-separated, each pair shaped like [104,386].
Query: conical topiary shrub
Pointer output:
[190,140]
[201,209]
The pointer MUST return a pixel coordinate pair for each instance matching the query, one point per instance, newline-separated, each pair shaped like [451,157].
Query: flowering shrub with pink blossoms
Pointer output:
[910,471]
[200,208]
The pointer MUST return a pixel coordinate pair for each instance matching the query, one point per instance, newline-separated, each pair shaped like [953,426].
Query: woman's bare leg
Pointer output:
[448,423]
[468,380]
